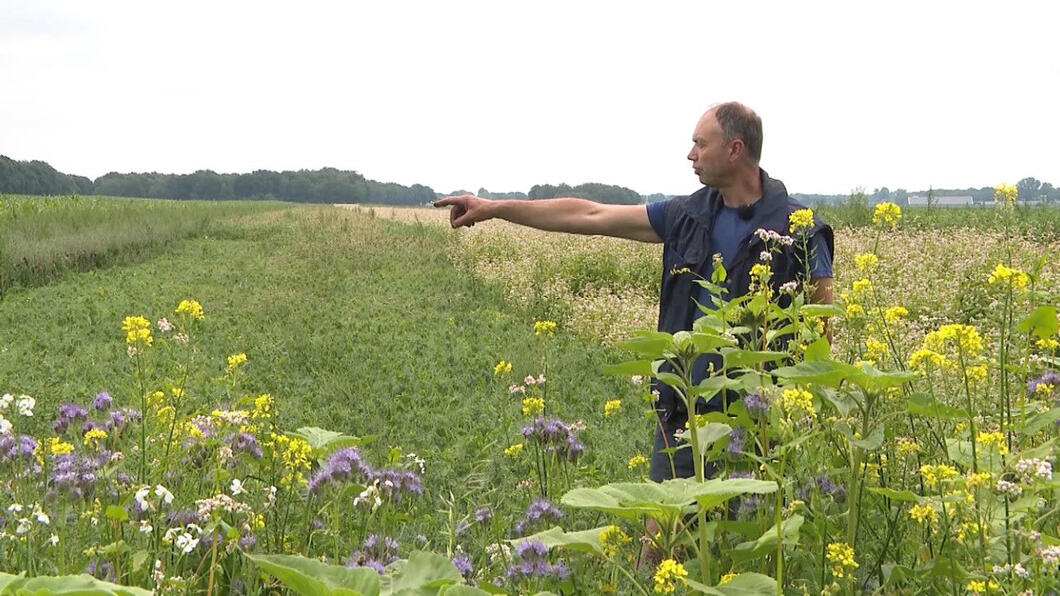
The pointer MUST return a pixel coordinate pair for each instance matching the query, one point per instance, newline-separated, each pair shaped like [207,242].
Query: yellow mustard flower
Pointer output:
[894,314]
[933,474]
[669,573]
[841,557]
[59,447]
[1015,278]
[801,220]
[263,405]
[923,360]
[612,540]
[797,403]
[877,350]
[886,215]
[1006,194]
[907,447]
[502,368]
[983,587]
[977,373]
[968,530]
[533,406]
[862,287]
[867,262]
[514,450]
[137,331]
[95,436]
[191,309]
[995,439]
[236,360]
[612,407]
[855,310]
[637,461]
[963,337]
[924,514]
[979,480]
[544,327]
[728,577]
[1048,344]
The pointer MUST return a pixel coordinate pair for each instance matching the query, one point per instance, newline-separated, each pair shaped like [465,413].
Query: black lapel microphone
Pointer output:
[747,211]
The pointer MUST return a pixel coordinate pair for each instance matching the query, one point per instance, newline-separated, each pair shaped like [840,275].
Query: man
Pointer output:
[738,198]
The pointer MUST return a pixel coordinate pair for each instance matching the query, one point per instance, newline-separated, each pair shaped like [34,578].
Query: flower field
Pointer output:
[318,400]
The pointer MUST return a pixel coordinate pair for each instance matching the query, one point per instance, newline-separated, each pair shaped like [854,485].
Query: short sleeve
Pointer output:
[657,216]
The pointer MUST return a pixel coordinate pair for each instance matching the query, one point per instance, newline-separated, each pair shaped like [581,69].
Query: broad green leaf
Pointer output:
[709,434]
[821,310]
[735,358]
[1038,421]
[323,441]
[586,541]
[744,584]
[712,385]
[465,590]
[423,572]
[138,560]
[869,443]
[652,344]
[311,577]
[1042,322]
[664,500]
[822,372]
[874,380]
[818,350]
[672,380]
[842,402]
[906,496]
[70,585]
[487,587]
[922,404]
[116,513]
[641,368]
[767,542]
[710,342]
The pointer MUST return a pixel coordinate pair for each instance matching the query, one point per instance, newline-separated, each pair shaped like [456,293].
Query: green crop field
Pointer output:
[240,397]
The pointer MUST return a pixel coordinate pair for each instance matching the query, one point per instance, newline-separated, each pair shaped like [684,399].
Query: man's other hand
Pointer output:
[466,209]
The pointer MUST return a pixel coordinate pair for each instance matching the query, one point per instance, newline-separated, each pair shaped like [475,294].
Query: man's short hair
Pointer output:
[738,121]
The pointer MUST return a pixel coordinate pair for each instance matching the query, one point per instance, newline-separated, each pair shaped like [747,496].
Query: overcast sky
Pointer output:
[504,95]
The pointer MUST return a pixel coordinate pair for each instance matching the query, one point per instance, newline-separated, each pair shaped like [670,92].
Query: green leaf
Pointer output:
[821,310]
[422,571]
[822,372]
[712,385]
[1042,322]
[710,342]
[842,402]
[869,443]
[586,541]
[905,496]
[652,344]
[922,404]
[1037,421]
[116,513]
[709,434]
[767,542]
[310,577]
[735,358]
[818,350]
[641,368]
[465,590]
[71,585]
[663,500]
[744,584]
[138,560]
[874,380]
[323,441]
[672,380]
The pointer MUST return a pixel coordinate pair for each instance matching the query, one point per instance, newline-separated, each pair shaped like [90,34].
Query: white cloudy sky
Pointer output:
[504,95]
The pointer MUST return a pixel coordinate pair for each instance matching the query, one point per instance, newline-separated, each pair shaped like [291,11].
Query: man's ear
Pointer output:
[737,149]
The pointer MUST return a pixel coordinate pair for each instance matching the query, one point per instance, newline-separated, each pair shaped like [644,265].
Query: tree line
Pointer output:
[326,185]
[1031,190]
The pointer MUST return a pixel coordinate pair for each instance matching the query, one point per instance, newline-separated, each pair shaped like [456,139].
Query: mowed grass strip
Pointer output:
[42,238]
[354,323]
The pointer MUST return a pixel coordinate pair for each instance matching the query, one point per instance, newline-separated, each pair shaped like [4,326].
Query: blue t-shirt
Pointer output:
[729,231]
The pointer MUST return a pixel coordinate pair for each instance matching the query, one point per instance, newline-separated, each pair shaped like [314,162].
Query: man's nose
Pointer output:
[692,154]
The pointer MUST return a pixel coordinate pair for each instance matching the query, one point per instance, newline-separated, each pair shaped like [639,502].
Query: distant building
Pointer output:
[922,201]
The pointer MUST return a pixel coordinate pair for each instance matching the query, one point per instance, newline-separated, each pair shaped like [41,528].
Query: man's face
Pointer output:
[710,152]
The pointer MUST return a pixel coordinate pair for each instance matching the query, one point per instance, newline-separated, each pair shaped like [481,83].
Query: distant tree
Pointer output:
[881,195]
[1029,189]
[900,196]
[1049,192]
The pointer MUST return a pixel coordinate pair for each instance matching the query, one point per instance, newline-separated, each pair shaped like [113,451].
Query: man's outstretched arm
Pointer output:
[574,216]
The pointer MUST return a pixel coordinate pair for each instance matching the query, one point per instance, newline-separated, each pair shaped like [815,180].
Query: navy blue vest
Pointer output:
[689,221]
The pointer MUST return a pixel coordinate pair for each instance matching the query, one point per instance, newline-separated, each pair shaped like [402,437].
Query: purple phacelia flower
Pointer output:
[102,401]
[463,565]
[483,514]
[736,440]
[756,404]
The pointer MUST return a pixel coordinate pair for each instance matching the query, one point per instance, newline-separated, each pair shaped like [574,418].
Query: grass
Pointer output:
[353,323]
